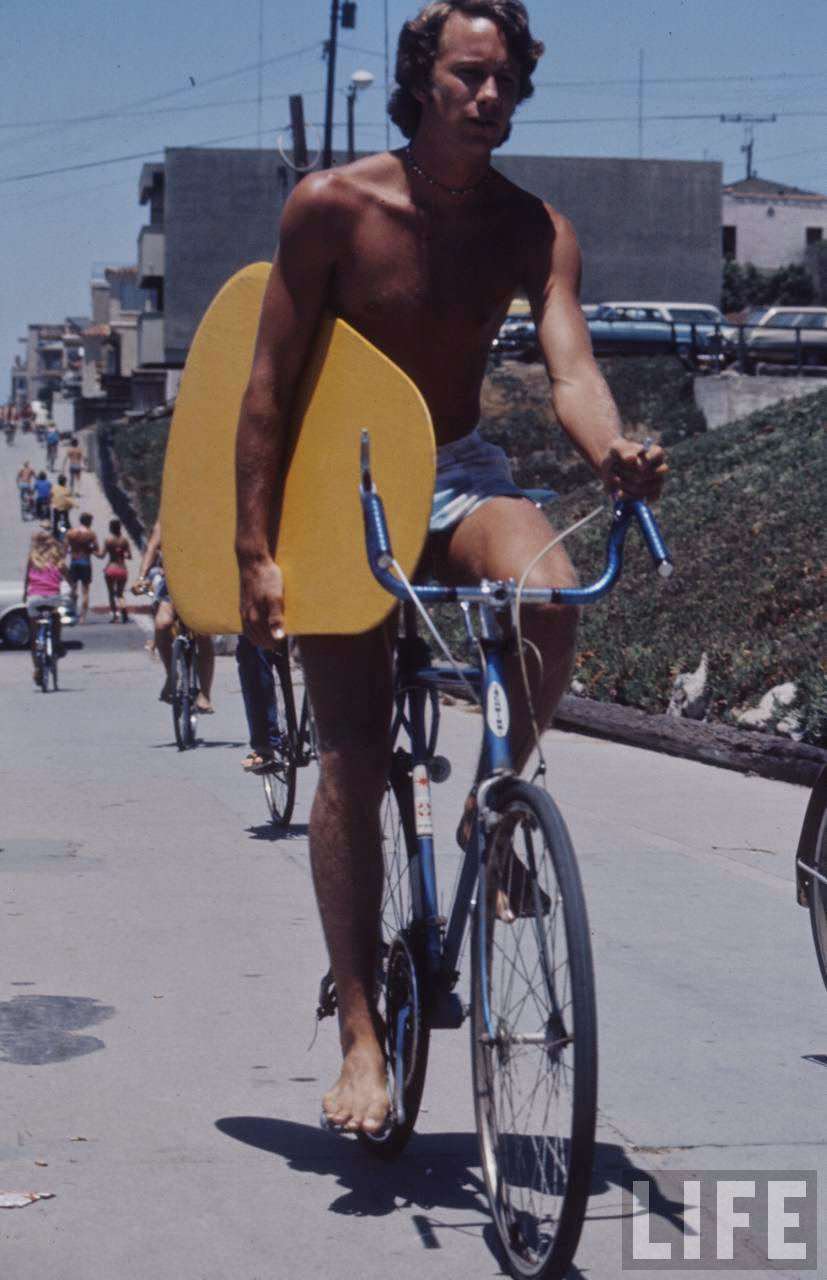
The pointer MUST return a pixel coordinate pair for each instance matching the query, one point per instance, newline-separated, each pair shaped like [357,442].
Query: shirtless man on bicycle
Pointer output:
[421,250]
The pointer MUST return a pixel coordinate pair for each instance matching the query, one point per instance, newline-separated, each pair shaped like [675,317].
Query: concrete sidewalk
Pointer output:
[160,954]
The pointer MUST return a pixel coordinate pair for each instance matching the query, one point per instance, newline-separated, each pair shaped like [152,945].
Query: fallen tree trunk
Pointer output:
[719,744]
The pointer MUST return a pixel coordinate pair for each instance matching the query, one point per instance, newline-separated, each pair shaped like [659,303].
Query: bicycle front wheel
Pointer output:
[533,1035]
[183,706]
[817,894]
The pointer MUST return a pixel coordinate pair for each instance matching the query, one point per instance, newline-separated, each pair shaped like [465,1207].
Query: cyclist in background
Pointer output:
[151,577]
[258,689]
[62,504]
[26,477]
[52,442]
[42,578]
[73,462]
[42,495]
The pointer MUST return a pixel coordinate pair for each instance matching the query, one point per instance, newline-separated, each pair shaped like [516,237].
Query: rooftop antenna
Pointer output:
[749,123]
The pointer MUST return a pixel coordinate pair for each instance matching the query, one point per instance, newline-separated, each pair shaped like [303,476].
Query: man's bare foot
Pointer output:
[203,705]
[359,1098]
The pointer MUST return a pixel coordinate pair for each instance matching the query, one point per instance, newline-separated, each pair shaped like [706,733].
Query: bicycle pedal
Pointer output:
[439,769]
[328,1000]
[446,1012]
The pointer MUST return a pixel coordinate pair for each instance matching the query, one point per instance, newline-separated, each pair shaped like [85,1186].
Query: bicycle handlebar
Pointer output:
[500,594]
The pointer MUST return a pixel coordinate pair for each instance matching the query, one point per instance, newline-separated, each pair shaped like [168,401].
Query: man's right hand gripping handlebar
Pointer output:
[262,602]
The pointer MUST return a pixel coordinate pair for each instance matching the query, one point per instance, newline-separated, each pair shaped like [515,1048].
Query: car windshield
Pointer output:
[755,315]
[796,319]
[696,315]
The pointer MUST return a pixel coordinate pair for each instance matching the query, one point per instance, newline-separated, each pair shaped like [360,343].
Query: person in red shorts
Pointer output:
[119,551]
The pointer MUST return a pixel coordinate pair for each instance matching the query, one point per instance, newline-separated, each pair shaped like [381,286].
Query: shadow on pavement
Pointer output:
[272,833]
[436,1172]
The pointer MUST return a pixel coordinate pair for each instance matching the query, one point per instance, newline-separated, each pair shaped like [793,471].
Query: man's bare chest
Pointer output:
[422,270]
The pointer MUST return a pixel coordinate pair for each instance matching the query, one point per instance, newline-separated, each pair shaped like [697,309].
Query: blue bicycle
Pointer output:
[532,1007]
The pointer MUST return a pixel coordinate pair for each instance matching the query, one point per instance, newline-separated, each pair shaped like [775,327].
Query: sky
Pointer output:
[91,91]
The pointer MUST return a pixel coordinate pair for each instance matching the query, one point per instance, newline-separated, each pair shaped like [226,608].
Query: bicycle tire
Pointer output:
[182,701]
[280,780]
[535,1102]
[817,894]
[400,967]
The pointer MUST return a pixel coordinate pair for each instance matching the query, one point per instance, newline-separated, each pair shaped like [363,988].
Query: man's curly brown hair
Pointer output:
[419,42]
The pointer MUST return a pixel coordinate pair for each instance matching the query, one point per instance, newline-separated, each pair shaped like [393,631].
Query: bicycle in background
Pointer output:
[185,687]
[296,746]
[45,649]
[811,867]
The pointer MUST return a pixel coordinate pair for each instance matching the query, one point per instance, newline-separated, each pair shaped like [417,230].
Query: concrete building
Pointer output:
[52,361]
[648,228]
[770,224]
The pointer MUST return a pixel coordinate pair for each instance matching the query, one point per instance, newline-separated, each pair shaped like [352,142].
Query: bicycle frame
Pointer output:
[488,681]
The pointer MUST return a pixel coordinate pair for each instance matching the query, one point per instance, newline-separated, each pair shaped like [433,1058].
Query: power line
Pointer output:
[592,84]
[139,155]
[706,115]
[126,108]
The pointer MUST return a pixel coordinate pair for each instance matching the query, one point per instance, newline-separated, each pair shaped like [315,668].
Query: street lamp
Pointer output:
[359,80]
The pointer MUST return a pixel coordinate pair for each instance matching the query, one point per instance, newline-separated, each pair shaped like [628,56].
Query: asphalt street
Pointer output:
[160,956]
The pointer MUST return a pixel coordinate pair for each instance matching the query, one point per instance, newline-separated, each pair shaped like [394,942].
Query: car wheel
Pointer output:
[15,630]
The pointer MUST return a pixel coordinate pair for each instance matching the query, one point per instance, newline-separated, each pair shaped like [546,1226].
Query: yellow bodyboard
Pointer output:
[348,386]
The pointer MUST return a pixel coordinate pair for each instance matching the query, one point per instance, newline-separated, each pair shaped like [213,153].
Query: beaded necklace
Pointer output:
[443,186]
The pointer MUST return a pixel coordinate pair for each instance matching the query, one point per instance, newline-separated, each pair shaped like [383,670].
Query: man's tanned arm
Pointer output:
[581,397]
[291,311]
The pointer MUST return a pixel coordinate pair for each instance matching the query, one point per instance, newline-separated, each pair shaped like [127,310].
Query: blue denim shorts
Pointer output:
[469,472]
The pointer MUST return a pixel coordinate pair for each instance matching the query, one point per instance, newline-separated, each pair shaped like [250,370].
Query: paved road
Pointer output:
[159,960]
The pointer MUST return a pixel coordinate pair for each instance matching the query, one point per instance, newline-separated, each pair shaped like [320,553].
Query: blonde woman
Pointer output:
[44,573]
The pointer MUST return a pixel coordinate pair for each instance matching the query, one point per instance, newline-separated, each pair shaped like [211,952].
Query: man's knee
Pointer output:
[352,775]
[554,624]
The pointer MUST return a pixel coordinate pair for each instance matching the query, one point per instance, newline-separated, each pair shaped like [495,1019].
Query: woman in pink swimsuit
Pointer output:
[44,574]
[119,551]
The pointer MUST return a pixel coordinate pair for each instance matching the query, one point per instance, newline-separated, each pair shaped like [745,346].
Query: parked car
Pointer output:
[696,331]
[517,338]
[15,627]
[788,335]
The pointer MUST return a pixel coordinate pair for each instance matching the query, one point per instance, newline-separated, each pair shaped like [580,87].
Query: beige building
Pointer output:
[769,224]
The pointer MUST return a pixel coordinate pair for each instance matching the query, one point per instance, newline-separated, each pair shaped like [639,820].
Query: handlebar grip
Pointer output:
[654,541]
[377,537]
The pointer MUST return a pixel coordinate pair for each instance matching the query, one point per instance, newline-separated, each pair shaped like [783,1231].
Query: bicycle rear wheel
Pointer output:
[533,1035]
[817,893]
[183,704]
[400,996]
[280,779]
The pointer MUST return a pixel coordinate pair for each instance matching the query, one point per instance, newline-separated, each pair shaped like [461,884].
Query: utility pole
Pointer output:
[260,62]
[749,123]
[348,13]
[299,137]
[640,105]
[327,150]
[387,85]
